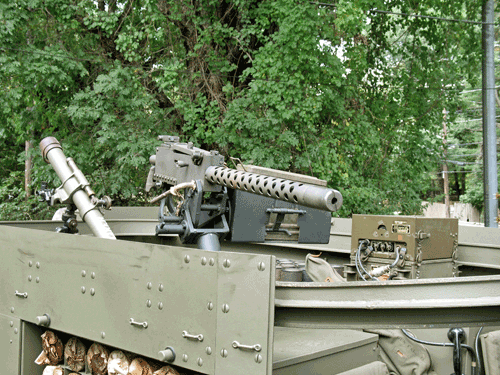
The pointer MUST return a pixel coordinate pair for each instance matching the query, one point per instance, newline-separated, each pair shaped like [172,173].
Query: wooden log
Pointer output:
[166,370]
[140,366]
[118,363]
[52,349]
[97,359]
[74,354]
[53,370]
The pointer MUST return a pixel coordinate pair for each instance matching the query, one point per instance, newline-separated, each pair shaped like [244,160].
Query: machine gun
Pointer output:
[246,204]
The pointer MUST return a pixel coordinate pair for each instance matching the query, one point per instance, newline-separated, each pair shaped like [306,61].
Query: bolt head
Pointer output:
[223,353]
[185,357]
[187,259]
[227,263]
[262,266]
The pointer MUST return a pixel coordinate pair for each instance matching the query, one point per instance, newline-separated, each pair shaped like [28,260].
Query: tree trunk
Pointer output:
[27,169]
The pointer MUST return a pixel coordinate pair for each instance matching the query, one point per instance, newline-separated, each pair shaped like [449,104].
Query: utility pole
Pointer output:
[489,117]
[446,180]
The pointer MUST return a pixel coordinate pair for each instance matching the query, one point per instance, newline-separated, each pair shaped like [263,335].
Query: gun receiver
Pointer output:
[216,200]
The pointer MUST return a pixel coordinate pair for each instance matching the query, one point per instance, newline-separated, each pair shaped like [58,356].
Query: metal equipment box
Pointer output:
[431,245]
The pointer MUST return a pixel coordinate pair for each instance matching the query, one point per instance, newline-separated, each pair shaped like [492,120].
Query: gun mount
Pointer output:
[215,197]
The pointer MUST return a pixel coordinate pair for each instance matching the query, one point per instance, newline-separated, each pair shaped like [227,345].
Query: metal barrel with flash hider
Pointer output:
[203,201]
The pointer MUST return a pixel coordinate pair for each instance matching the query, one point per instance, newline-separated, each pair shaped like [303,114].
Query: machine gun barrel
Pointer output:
[286,190]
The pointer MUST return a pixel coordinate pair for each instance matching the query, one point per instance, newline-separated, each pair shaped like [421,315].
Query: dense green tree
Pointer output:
[340,91]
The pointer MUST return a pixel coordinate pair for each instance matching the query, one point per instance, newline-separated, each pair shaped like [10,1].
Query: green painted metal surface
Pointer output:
[94,288]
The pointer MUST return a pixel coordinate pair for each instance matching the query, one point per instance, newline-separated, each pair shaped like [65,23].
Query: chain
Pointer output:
[418,258]
[454,255]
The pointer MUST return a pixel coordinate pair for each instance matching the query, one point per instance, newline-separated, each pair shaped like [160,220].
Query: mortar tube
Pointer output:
[53,154]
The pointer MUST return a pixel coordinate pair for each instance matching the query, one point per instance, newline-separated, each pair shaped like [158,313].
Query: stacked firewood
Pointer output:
[98,359]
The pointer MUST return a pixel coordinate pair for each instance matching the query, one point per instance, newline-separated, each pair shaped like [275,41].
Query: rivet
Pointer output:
[160,287]
[227,263]
[12,310]
[37,279]
[223,353]
[84,273]
[92,275]
[11,323]
[160,305]
[262,266]
[11,341]
[258,358]
[148,303]
[187,259]
[211,261]
[16,331]
[37,264]
[200,362]
[208,350]
[30,278]
[149,285]
[203,261]
[103,335]
[30,263]
[92,291]
[210,306]
[225,308]
[83,290]
[185,357]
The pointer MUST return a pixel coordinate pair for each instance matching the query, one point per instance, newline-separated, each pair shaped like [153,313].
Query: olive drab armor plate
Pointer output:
[142,298]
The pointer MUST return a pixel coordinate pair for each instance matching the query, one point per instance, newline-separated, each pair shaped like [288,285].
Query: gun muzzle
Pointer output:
[286,190]
[75,189]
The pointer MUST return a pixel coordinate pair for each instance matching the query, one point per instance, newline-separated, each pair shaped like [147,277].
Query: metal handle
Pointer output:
[186,335]
[139,324]
[256,347]
[19,294]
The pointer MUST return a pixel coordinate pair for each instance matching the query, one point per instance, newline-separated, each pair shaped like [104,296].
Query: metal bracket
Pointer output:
[19,294]
[139,324]
[281,212]
[186,335]
[256,347]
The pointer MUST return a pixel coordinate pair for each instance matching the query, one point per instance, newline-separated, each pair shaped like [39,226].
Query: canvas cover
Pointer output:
[320,270]
[402,355]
